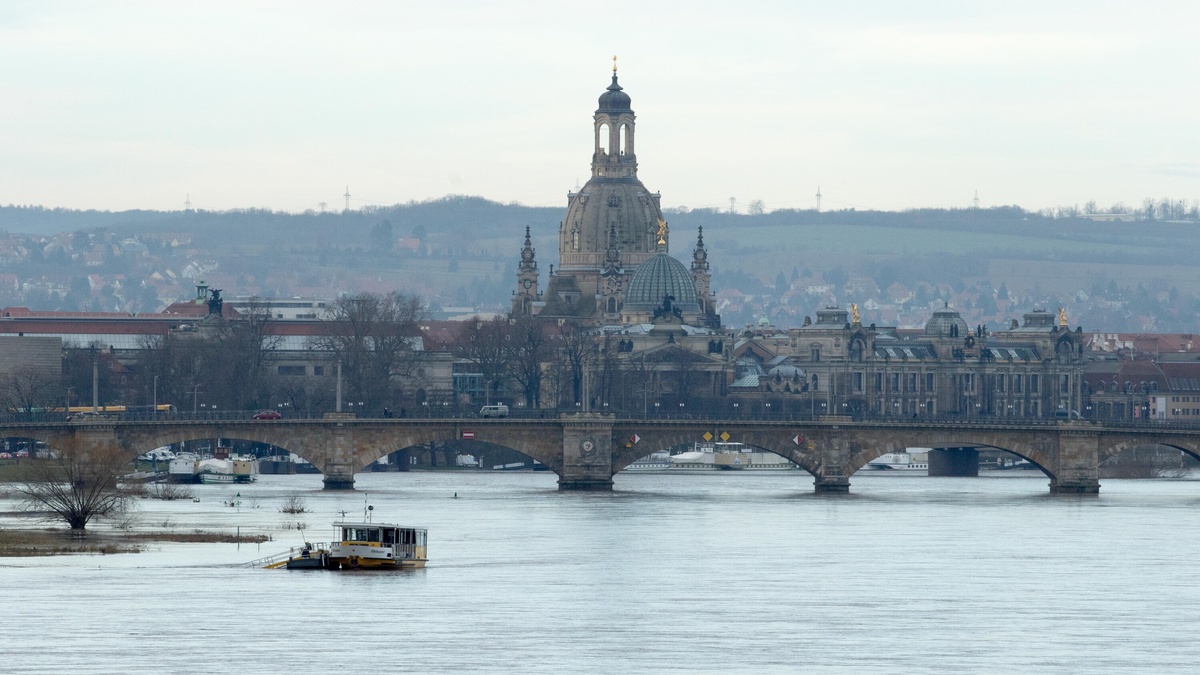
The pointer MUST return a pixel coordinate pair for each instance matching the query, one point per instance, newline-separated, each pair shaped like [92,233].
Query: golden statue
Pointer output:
[1062,316]
[662,232]
[614,63]
[854,313]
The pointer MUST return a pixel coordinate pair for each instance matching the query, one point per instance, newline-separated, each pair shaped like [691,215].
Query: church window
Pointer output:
[815,353]
[624,139]
[602,138]
[575,239]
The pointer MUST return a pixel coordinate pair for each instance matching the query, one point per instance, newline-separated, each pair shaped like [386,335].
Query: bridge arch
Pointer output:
[1036,454]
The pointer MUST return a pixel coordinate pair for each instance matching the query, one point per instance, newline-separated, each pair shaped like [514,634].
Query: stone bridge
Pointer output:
[586,450]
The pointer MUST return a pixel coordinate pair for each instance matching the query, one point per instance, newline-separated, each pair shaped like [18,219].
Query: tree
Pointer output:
[756,207]
[531,349]
[28,389]
[382,238]
[373,336]
[488,345]
[77,483]
[236,356]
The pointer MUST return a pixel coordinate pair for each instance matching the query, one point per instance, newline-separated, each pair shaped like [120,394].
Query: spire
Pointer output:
[700,255]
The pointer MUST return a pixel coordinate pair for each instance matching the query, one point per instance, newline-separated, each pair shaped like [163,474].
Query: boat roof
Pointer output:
[346,523]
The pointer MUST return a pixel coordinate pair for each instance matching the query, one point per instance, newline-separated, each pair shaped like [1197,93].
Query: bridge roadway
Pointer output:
[586,450]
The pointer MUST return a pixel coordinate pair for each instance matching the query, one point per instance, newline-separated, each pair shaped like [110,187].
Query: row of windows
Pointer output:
[294,371]
[925,382]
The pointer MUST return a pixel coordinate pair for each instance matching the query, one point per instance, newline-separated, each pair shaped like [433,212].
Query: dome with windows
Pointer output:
[614,99]
[658,277]
[946,322]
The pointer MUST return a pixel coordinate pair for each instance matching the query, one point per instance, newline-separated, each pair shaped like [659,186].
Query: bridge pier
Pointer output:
[338,481]
[1080,486]
[587,452]
[1078,470]
[832,483]
[954,462]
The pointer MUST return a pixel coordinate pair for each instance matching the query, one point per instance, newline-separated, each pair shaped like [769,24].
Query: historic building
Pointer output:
[613,262]
[835,365]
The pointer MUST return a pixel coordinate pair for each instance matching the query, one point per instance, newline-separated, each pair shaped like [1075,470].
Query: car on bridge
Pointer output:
[497,410]
[268,415]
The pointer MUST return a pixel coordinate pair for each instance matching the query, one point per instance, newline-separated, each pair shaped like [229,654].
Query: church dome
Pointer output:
[945,322]
[614,99]
[659,276]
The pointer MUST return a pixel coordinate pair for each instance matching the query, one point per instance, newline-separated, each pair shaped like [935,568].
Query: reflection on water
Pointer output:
[696,573]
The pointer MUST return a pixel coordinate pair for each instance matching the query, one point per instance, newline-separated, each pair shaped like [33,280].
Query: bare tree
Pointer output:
[489,346]
[237,358]
[532,348]
[27,390]
[374,337]
[77,483]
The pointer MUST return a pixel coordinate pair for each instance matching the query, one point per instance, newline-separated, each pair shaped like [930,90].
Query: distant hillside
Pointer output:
[462,251]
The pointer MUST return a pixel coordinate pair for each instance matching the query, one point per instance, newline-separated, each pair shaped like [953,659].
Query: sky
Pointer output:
[879,104]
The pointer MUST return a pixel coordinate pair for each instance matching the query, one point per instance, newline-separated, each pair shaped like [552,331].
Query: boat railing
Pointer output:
[279,559]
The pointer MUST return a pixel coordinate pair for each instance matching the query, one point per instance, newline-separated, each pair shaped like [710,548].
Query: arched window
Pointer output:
[623,141]
[816,383]
[1112,386]
[602,138]
[1153,386]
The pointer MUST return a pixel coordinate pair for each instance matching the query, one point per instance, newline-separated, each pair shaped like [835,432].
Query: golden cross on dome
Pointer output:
[662,231]
[614,63]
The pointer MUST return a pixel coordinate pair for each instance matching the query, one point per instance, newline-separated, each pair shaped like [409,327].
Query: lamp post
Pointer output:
[156,394]
[67,410]
[195,397]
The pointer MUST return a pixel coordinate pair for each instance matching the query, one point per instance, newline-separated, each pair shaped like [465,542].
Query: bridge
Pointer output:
[586,450]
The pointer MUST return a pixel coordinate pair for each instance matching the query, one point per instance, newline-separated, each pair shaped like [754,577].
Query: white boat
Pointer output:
[654,462]
[717,456]
[899,461]
[358,545]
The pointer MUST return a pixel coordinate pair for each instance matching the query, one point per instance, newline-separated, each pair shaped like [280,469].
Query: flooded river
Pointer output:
[732,572]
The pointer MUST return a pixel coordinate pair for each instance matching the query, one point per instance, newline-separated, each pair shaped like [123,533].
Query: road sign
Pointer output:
[707,436]
[634,438]
[467,434]
[725,435]
[797,439]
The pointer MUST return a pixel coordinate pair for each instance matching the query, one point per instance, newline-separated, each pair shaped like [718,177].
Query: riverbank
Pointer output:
[53,542]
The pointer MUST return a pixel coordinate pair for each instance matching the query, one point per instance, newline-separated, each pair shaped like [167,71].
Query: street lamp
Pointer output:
[656,408]
[155,393]
[767,410]
[195,396]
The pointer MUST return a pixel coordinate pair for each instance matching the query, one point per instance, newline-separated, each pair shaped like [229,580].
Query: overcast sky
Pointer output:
[884,105]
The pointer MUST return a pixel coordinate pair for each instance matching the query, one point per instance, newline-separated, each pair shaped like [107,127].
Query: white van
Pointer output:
[497,410]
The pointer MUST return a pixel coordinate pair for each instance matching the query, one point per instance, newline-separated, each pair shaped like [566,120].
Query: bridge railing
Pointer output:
[764,414]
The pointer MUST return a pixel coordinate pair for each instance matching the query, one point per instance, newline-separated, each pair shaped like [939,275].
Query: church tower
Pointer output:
[612,200]
[527,281]
[702,277]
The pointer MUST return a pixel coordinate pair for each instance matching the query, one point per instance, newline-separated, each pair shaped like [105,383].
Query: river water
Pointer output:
[733,572]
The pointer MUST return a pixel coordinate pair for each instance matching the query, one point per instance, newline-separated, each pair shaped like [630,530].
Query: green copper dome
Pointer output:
[660,276]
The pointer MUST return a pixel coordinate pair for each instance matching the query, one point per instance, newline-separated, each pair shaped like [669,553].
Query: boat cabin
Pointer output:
[379,543]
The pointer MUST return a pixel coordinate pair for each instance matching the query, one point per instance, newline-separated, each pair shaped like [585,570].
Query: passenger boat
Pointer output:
[355,545]
[377,545]
[717,456]
[898,461]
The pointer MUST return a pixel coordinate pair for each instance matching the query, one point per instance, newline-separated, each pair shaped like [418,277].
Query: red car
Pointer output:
[268,415]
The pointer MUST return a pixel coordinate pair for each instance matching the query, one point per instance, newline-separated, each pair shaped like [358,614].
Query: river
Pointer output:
[731,572]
